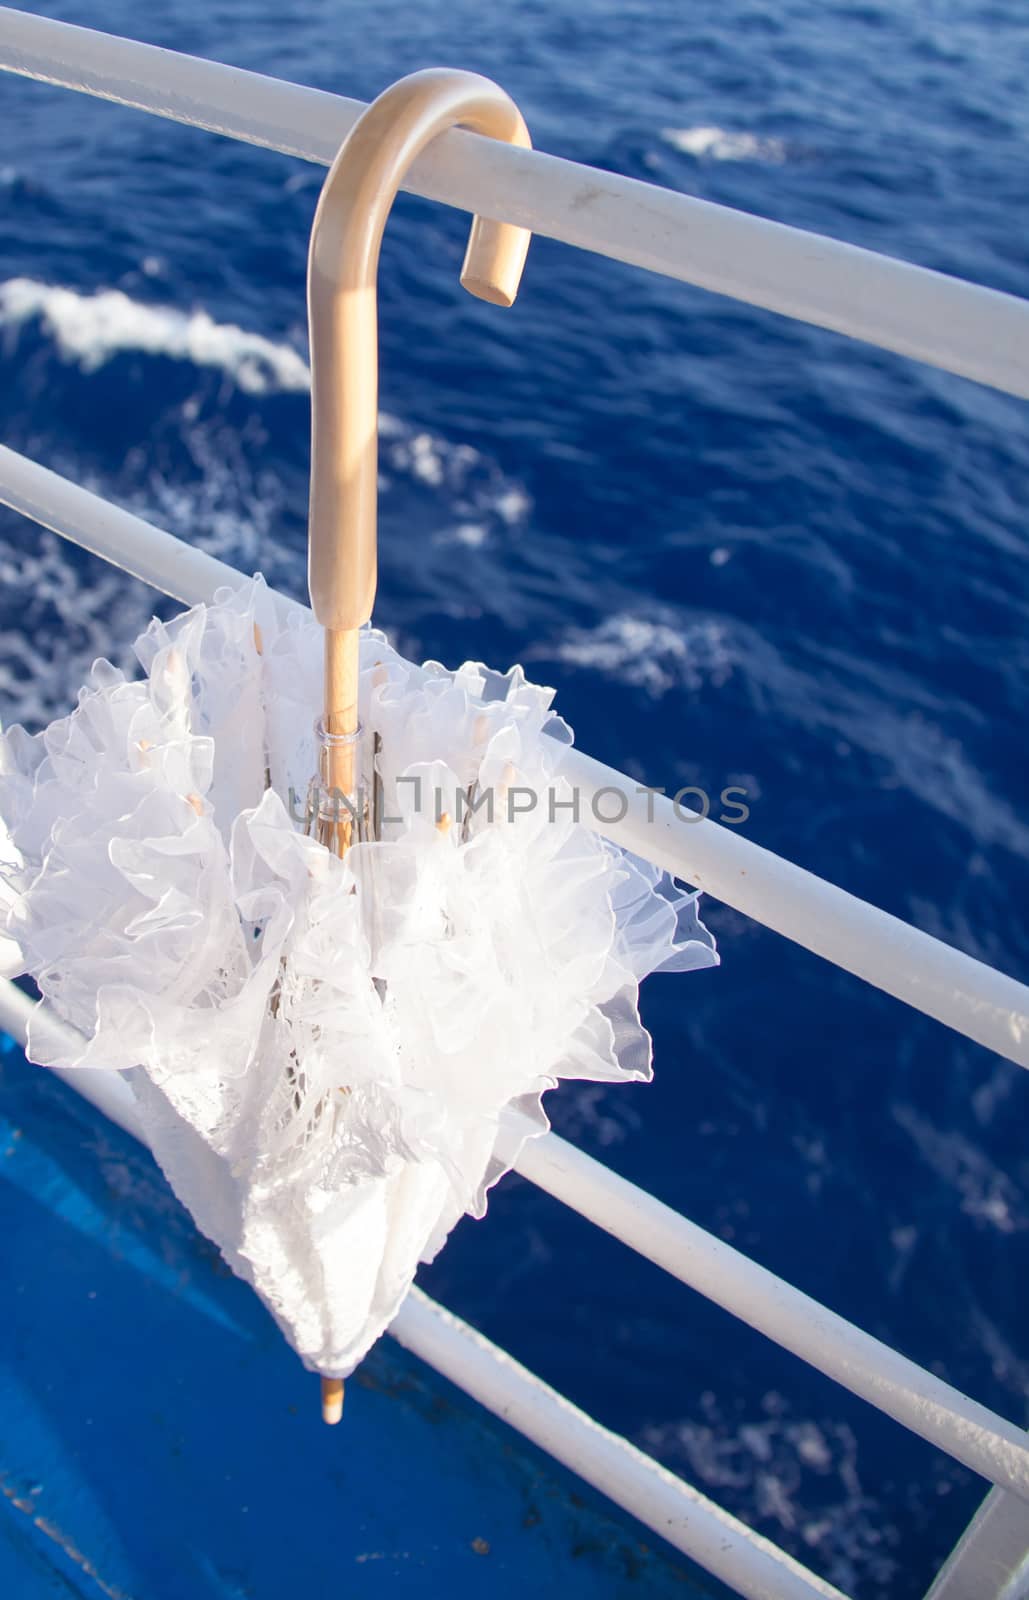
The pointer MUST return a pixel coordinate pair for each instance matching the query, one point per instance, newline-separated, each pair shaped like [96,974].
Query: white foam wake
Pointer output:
[92,328]
[718,144]
[651,655]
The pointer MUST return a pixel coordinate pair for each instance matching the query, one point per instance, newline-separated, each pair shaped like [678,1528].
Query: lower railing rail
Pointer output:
[666,1504]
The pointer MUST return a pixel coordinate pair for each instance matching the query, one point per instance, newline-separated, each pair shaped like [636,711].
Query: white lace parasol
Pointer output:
[323,1050]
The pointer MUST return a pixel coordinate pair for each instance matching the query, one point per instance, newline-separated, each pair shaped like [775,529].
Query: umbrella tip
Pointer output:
[332,1400]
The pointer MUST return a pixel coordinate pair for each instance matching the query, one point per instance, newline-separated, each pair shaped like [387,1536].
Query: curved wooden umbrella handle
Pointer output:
[343,260]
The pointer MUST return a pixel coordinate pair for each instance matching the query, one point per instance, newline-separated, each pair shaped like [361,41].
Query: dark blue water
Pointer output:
[744,550]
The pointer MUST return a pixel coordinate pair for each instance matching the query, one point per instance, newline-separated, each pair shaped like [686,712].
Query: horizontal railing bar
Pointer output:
[108,1091]
[932,977]
[672,1508]
[663,1502]
[979,333]
[117,536]
[965,994]
[940,1414]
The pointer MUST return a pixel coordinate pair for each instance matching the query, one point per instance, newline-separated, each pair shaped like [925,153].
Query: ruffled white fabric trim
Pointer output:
[324,1051]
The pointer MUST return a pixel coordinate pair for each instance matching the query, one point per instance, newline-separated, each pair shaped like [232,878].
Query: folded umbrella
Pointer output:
[339,963]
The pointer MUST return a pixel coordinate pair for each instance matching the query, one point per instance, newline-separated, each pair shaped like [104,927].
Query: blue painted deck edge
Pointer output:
[159,1440]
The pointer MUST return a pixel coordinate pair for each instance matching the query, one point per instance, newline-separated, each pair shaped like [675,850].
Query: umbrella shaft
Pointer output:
[342,676]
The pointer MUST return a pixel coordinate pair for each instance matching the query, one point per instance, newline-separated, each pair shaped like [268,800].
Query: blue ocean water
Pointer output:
[745,552]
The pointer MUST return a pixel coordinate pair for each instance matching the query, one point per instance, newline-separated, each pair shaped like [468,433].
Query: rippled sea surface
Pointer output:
[744,551]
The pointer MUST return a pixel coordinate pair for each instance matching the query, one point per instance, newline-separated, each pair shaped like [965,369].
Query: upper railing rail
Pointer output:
[946,322]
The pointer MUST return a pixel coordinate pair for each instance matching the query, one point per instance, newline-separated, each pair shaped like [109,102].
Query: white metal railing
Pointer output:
[961,327]
[983,1441]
